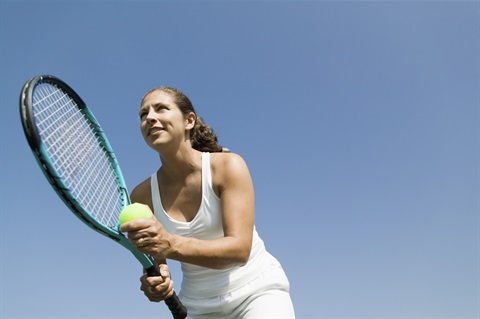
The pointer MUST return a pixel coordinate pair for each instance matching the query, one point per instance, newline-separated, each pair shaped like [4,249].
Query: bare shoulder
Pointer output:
[228,169]
[142,193]
[228,163]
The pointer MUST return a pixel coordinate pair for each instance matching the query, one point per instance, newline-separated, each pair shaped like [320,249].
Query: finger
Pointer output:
[131,226]
[159,292]
[143,279]
[160,287]
[140,239]
[136,235]
[164,290]
[164,285]
[169,291]
[141,242]
[151,293]
[135,225]
[155,280]
[164,271]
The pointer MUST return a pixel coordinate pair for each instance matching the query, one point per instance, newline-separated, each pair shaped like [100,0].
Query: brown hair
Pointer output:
[202,136]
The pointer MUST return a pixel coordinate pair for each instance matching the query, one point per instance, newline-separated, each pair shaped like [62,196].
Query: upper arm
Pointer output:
[236,192]
[142,194]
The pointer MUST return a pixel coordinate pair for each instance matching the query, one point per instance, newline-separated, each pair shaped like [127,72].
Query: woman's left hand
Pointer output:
[149,236]
[157,288]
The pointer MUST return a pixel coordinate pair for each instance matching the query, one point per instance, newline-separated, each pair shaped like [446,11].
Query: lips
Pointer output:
[154,130]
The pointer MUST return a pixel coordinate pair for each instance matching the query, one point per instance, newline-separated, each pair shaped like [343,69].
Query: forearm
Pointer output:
[221,253]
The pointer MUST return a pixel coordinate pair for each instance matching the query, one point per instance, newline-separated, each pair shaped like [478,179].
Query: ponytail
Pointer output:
[203,138]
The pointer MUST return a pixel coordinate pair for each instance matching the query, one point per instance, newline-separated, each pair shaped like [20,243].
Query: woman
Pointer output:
[203,205]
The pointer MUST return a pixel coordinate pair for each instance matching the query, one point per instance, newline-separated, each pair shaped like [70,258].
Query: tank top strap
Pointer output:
[206,172]
[156,201]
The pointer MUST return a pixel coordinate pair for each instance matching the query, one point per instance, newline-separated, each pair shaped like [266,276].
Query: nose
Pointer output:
[150,117]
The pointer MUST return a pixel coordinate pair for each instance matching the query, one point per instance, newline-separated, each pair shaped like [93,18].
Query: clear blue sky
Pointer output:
[359,122]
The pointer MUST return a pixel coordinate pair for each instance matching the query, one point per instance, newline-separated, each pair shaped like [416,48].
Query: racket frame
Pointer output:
[41,155]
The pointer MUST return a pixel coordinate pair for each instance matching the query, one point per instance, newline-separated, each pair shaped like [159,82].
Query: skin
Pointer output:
[166,130]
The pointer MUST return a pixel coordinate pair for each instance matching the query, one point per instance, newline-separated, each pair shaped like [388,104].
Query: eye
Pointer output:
[142,114]
[160,107]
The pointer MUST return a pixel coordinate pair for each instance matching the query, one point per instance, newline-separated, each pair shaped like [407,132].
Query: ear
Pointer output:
[190,121]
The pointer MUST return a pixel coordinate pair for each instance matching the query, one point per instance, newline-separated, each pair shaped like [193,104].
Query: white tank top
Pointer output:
[202,282]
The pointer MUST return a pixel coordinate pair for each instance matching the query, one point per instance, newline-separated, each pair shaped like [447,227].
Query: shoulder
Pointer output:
[227,163]
[142,193]
[229,169]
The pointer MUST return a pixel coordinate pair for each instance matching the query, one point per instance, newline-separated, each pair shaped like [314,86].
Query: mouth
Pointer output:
[154,131]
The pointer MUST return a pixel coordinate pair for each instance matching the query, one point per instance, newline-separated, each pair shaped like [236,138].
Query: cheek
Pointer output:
[143,130]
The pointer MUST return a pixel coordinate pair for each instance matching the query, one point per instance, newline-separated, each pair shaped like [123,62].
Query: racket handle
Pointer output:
[176,307]
[173,303]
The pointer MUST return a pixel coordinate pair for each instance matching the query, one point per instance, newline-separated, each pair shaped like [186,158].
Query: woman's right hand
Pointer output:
[157,288]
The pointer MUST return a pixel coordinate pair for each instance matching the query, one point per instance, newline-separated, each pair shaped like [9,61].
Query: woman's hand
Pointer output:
[157,288]
[149,236]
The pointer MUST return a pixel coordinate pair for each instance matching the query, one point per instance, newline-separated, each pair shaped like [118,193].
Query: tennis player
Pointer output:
[203,205]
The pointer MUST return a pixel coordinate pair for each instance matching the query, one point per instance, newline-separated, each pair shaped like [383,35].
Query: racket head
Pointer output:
[73,153]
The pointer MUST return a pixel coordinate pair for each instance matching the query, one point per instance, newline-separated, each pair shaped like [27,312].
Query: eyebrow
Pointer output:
[155,105]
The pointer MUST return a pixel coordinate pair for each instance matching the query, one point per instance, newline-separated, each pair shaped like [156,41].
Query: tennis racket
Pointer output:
[78,161]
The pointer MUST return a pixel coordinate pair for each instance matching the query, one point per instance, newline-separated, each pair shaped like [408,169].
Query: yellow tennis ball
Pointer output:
[134,211]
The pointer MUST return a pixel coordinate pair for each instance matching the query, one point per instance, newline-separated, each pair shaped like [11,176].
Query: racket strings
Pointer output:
[81,161]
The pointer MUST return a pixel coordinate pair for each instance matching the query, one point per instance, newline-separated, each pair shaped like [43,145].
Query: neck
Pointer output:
[179,164]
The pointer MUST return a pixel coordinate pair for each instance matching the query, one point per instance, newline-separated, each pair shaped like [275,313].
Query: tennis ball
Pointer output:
[134,211]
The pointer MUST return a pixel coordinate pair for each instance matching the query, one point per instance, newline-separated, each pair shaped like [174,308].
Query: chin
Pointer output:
[157,145]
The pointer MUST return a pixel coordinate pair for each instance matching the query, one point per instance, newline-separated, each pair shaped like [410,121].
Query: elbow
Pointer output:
[241,255]
[242,258]
[238,258]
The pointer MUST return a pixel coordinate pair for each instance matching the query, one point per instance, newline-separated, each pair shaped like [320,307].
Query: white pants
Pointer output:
[266,296]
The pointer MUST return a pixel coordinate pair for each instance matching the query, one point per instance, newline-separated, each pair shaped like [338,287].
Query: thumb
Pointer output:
[164,272]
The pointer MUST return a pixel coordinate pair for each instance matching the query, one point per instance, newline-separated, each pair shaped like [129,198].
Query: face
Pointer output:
[161,121]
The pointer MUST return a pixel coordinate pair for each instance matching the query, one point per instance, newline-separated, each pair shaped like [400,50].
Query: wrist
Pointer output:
[171,252]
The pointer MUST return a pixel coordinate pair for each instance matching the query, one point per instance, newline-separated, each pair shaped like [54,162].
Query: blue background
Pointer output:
[359,121]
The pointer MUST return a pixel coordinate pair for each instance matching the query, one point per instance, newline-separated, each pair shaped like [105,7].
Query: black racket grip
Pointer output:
[176,307]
